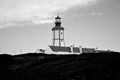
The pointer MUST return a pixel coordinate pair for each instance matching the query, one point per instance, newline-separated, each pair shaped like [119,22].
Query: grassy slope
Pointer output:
[100,66]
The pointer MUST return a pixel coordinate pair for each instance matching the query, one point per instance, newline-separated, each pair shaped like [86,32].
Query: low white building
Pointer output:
[58,39]
[68,50]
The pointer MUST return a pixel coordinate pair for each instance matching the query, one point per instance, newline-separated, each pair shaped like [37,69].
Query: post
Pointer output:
[59,39]
[71,47]
[80,48]
[53,38]
[63,38]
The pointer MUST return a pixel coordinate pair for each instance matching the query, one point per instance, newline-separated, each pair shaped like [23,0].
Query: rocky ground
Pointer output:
[32,66]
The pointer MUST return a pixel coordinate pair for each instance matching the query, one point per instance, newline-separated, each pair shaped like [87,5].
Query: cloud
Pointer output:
[16,12]
[96,14]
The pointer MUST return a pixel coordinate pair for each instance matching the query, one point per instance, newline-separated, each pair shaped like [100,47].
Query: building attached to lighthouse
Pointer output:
[58,42]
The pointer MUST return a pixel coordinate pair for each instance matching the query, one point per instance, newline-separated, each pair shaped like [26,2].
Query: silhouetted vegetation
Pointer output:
[86,66]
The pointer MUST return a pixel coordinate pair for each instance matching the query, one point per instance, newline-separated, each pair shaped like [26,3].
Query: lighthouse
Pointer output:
[58,33]
[58,42]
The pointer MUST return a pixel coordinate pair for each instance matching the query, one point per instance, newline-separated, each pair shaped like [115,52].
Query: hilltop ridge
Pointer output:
[86,66]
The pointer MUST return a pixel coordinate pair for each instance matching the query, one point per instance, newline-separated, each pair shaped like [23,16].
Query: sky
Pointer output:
[25,25]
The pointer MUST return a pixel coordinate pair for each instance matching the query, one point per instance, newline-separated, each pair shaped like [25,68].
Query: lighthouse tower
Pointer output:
[58,46]
[58,33]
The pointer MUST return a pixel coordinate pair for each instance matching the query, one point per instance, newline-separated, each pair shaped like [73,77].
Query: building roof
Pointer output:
[60,49]
[58,17]
[58,28]
[88,50]
[76,50]
[69,49]
[64,49]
